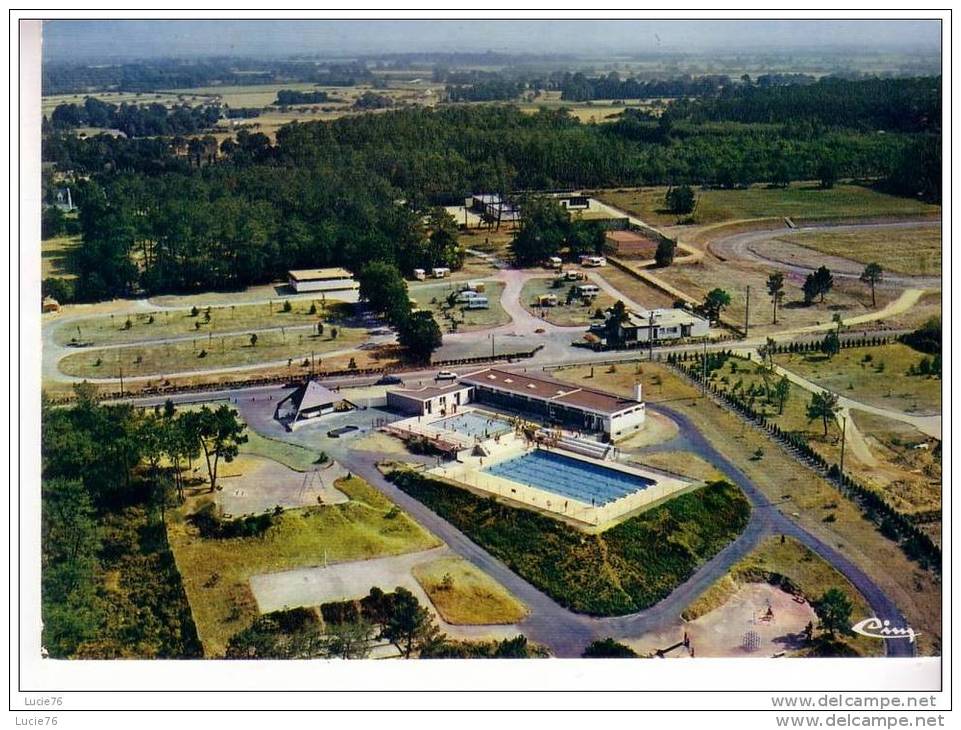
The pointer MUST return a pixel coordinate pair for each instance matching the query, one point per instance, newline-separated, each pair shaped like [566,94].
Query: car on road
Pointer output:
[389,380]
[446,375]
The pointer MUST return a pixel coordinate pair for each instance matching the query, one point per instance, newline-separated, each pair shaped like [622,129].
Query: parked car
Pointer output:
[446,375]
[389,380]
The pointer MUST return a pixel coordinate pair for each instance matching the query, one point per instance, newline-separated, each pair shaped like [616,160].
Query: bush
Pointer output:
[650,554]
[340,612]
[608,649]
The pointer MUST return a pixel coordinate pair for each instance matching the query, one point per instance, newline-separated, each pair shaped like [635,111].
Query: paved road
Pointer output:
[766,247]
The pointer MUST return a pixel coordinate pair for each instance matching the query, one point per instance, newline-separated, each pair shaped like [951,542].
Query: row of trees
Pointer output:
[136,120]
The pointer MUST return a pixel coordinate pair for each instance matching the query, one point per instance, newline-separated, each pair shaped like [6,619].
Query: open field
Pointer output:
[803,200]
[586,112]
[563,315]
[53,257]
[637,290]
[433,297]
[462,594]
[496,242]
[874,375]
[916,251]
[847,298]
[916,591]
[208,352]
[162,324]
[907,490]
[792,565]
[216,571]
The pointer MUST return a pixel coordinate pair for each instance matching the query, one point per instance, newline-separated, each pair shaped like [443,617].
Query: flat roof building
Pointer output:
[429,400]
[332,279]
[557,402]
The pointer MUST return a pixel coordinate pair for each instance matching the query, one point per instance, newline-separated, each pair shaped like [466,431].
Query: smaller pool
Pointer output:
[475,424]
[568,477]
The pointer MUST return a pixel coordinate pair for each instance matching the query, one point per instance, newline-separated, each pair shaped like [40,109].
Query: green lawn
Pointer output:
[208,352]
[216,571]
[800,200]
[433,297]
[883,381]
[624,569]
[54,253]
[563,314]
[907,251]
[161,324]
[463,594]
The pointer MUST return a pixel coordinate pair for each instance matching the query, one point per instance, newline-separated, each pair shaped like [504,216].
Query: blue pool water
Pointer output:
[569,477]
[474,424]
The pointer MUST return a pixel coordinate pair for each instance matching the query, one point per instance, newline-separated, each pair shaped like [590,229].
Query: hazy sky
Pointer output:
[87,40]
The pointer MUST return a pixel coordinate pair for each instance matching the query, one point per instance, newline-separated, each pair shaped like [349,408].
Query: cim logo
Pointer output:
[878,629]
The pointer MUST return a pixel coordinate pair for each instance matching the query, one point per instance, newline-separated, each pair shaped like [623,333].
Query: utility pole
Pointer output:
[650,328]
[747,311]
[120,367]
[492,346]
[844,428]
[704,370]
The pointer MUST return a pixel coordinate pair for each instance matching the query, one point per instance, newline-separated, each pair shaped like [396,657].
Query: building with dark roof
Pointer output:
[559,403]
[307,402]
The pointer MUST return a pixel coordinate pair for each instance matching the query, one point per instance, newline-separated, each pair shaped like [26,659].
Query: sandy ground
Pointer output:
[658,429]
[253,484]
[345,581]
[721,632]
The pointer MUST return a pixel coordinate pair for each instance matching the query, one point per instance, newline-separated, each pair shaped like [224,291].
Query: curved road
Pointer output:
[768,247]
[567,632]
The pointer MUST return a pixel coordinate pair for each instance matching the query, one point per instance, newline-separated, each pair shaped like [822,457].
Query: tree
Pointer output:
[680,200]
[775,288]
[714,302]
[833,609]
[253,340]
[827,172]
[830,345]
[823,405]
[219,434]
[385,290]
[420,335]
[872,276]
[349,639]
[542,233]
[782,391]
[407,623]
[817,284]
[608,649]
[612,326]
[664,255]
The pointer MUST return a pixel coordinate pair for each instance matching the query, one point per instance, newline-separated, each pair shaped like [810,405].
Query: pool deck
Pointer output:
[469,470]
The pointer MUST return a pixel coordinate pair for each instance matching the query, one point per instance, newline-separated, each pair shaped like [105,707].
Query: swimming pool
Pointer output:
[581,480]
[475,424]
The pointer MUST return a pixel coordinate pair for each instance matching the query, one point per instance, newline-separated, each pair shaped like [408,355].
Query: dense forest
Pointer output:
[285,97]
[136,120]
[327,193]
[110,587]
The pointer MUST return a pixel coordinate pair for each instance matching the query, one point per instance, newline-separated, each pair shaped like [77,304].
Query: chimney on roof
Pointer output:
[639,392]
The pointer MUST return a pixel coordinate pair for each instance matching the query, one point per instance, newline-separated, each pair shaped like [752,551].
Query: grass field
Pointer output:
[627,567]
[216,571]
[563,315]
[772,561]
[916,591]
[915,251]
[54,253]
[463,594]
[433,297]
[800,200]
[208,352]
[684,463]
[874,375]
[161,324]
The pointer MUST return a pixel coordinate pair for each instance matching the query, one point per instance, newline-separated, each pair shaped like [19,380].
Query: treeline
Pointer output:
[899,105]
[578,87]
[109,584]
[287,97]
[356,189]
[487,90]
[135,120]
[164,74]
